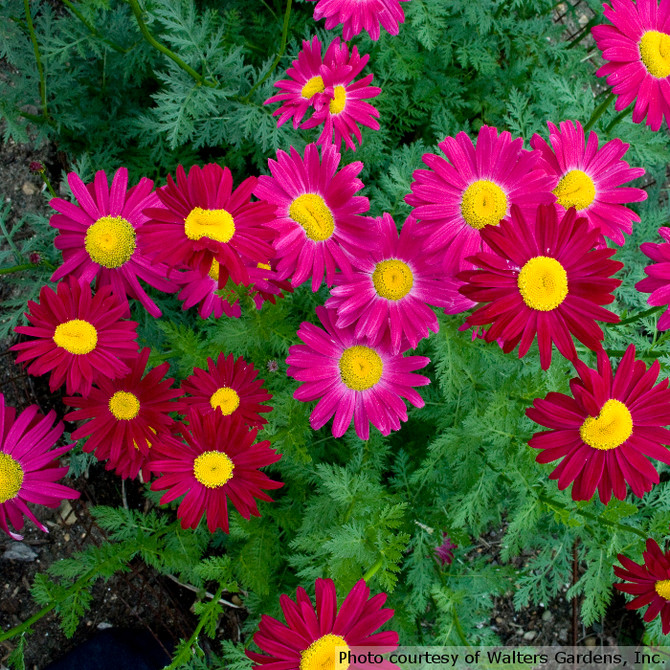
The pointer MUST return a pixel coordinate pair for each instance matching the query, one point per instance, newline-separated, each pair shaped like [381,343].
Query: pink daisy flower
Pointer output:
[361,15]
[28,469]
[317,214]
[99,241]
[347,108]
[591,179]
[658,281]
[474,189]
[542,279]
[390,289]
[77,337]
[204,291]
[636,47]
[204,219]
[267,286]
[314,631]
[351,378]
[125,417]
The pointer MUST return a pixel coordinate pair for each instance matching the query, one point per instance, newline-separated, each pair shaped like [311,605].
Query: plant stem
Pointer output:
[639,315]
[582,33]
[137,11]
[47,183]
[282,48]
[38,60]
[619,117]
[374,569]
[599,111]
[94,31]
[17,268]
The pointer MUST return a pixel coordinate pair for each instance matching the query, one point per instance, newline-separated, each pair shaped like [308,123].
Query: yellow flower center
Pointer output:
[610,429]
[360,367]
[393,279]
[655,53]
[110,241]
[217,224]
[11,477]
[214,270]
[662,587]
[226,399]
[264,266]
[312,213]
[124,405]
[323,654]
[483,204]
[543,283]
[213,469]
[76,336]
[339,102]
[312,87]
[576,189]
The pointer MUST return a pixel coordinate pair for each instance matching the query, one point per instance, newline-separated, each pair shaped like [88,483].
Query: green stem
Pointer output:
[618,353]
[374,569]
[619,117]
[17,268]
[38,60]
[137,11]
[582,33]
[93,29]
[639,315]
[10,241]
[282,48]
[599,111]
[46,181]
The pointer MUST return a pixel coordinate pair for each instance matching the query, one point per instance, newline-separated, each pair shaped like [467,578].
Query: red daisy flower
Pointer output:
[649,583]
[99,237]
[79,338]
[218,462]
[361,15]
[229,388]
[591,179]
[204,219]
[128,416]
[312,632]
[606,429]
[28,469]
[658,281]
[543,278]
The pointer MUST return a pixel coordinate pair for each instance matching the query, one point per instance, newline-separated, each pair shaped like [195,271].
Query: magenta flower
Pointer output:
[351,378]
[658,281]
[99,239]
[445,552]
[28,469]
[204,291]
[591,179]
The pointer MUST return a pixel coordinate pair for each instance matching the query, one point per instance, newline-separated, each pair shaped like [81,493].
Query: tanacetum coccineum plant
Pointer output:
[332,372]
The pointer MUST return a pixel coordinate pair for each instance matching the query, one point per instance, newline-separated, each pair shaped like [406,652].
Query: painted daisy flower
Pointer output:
[362,15]
[658,281]
[77,337]
[127,416]
[445,552]
[351,378]
[591,179]
[389,292]
[313,631]
[474,188]
[346,109]
[204,291]
[542,279]
[267,286]
[217,462]
[203,219]
[98,238]
[28,469]
[318,216]
[604,431]
[637,48]
[228,388]
[649,582]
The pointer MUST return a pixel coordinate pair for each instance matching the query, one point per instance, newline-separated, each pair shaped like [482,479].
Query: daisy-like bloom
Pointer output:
[389,292]
[28,466]
[637,48]
[649,582]
[229,388]
[127,416]
[99,241]
[204,219]
[352,378]
[77,337]
[591,179]
[658,281]
[204,291]
[605,430]
[267,286]
[318,216]
[346,109]
[362,15]
[542,278]
[445,552]
[456,199]
[313,631]
[217,462]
